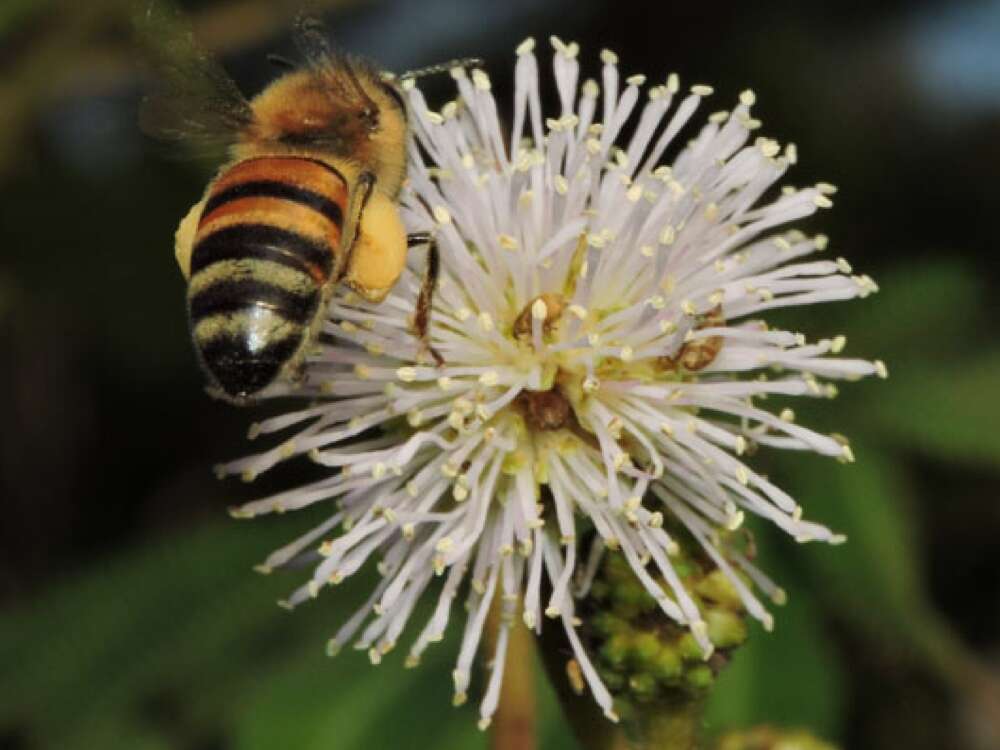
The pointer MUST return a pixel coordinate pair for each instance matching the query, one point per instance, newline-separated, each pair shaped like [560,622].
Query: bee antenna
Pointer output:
[445,67]
[370,107]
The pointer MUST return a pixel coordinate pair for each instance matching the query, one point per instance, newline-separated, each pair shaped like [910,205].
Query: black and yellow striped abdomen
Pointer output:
[261,266]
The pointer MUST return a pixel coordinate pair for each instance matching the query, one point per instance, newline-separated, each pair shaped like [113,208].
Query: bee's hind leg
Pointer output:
[425,300]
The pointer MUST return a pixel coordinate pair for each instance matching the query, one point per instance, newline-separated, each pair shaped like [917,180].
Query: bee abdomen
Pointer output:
[262,258]
[230,296]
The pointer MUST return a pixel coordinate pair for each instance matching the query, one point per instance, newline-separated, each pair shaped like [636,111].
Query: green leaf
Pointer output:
[790,677]
[874,579]
[950,412]
[923,312]
[178,643]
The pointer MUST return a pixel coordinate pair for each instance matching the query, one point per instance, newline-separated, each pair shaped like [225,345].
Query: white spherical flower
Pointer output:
[597,314]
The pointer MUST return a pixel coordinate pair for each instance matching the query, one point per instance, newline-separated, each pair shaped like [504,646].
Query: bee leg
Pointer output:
[422,315]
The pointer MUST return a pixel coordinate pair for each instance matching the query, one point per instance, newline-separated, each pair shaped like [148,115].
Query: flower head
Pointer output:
[597,313]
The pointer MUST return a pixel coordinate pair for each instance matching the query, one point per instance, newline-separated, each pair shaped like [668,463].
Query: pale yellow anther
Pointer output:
[407,374]
[486,322]
[441,215]
[444,544]
[480,80]
[735,520]
[742,475]
[700,89]
[489,378]
[768,147]
[821,241]
[748,98]
[578,311]
[608,57]
[526,46]
[636,80]
[539,310]
[668,235]
[822,201]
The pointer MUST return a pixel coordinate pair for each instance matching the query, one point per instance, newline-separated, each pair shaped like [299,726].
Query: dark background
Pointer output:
[130,617]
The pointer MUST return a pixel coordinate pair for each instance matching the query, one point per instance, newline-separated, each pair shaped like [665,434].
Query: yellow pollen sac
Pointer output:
[546,307]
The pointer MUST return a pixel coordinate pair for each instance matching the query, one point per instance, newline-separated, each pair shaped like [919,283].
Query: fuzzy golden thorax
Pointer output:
[306,116]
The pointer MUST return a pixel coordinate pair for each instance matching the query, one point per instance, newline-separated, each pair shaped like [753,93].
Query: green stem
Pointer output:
[673,725]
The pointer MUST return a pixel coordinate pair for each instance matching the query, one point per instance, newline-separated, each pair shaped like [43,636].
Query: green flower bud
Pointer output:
[642,655]
[725,629]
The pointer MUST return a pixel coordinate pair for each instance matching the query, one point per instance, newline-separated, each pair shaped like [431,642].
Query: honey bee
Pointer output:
[308,200]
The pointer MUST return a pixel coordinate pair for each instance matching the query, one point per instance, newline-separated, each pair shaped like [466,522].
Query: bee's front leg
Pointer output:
[425,300]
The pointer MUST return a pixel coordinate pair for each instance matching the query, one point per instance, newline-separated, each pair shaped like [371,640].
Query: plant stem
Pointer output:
[514,723]
[673,725]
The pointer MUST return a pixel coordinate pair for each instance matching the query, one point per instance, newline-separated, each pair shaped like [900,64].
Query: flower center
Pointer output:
[545,410]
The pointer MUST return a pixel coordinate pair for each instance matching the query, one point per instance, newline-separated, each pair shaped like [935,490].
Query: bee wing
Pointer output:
[336,70]
[193,99]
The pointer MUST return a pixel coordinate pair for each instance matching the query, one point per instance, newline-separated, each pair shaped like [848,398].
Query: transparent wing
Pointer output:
[193,100]
[337,71]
